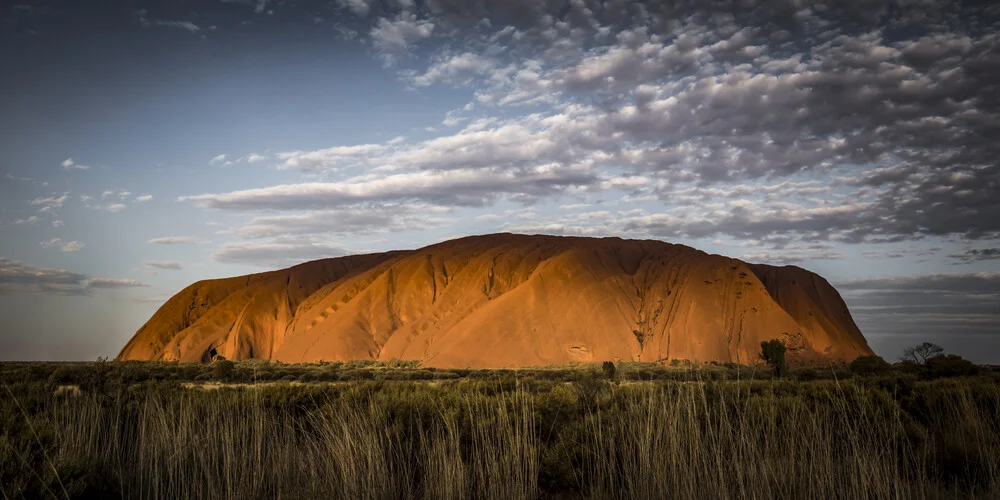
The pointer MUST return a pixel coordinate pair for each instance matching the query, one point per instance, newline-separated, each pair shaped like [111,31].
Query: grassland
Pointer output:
[363,430]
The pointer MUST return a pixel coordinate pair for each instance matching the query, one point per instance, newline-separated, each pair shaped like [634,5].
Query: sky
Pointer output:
[145,145]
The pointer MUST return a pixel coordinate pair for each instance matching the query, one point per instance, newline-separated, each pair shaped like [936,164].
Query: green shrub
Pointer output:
[609,369]
[869,365]
[950,365]
[908,366]
[223,369]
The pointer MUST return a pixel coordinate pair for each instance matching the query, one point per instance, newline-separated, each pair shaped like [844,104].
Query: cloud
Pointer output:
[22,279]
[966,283]
[163,264]
[393,38]
[157,300]
[360,8]
[786,257]
[259,6]
[143,197]
[328,159]
[276,253]
[719,100]
[111,193]
[112,283]
[70,246]
[69,164]
[464,187]
[51,204]
[353,221]
[956,310]
[29,221]
[115,207]
[18,279]
[977,255]
[455,69]
[184,25]
[773,123]
[227,161]
[175,240]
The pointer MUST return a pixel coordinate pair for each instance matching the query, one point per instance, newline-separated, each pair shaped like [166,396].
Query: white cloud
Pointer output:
[51,204]
[276,253]
[112,283]
[184,25]
[256,158]
[175,240]
[353,221]
[455,69]
[157,300]
[360,8]
[29,221]
[71,246]
[329,159]
[217,159]
[163,264]
[69,164]
[785,257]
[115,207]
[143,197]
[394,37]
[470,187]
[122,195]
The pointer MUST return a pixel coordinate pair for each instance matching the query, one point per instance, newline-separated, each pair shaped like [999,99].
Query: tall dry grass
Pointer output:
[675,440]
[682,443]
[238,447]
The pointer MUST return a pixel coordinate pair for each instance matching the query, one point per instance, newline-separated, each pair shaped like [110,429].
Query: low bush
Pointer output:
[869,365]
[950,365]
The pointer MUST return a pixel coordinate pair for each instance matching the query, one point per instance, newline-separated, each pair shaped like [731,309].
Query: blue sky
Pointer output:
[147,145]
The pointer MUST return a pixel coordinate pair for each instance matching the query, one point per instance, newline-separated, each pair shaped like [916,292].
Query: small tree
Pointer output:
[921,353]
[773,353]
[609,369]
[223,369]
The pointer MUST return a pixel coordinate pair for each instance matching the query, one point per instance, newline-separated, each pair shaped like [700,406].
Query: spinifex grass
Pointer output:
[510,437]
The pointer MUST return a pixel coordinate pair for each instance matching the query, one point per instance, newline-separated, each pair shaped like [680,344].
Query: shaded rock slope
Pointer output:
[507,300]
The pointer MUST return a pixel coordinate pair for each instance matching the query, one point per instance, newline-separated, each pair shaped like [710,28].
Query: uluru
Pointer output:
[508,300]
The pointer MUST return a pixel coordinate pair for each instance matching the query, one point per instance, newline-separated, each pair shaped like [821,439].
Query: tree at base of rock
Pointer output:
[773,353]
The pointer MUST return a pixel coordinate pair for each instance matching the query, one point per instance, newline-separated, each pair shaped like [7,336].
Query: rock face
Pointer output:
[507,300]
